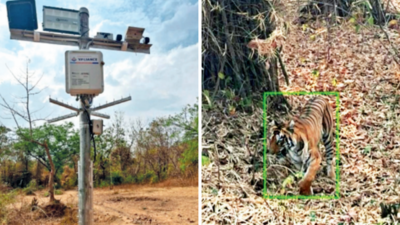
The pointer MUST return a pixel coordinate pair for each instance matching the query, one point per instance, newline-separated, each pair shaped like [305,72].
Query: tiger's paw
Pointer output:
[305,188]
[306,191]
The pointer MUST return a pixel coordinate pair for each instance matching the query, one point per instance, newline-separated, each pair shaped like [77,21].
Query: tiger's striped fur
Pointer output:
[299,140]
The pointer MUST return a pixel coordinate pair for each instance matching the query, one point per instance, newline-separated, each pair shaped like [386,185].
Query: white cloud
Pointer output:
[3,22]
[169,74]
[45,61]
[97,28]
[3,13]
[177,28]
[160,83]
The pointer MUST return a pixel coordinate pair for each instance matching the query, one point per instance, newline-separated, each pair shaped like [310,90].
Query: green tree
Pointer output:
[5,141]
[187,121]
[60,142]
[190,158]
[24,113]
[5,150]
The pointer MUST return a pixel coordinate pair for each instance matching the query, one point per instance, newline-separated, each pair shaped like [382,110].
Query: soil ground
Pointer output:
[131,205]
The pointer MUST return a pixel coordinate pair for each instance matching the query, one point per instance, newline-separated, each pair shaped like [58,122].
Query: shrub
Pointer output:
[28,191]
[130,179]
[189,159]
[148,176]
[32,184]
[205,161]
[116,178]
[5,199]
[70,217]
[69,178]
[58,192]
[140,178]
[71,183]
[104,184]
[31,188]
[57,185]
[154,179]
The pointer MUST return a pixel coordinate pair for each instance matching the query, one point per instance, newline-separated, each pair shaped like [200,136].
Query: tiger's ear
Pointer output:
[291,125]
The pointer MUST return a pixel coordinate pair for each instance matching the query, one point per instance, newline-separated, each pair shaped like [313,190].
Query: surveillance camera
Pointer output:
[146,40]
[119,37]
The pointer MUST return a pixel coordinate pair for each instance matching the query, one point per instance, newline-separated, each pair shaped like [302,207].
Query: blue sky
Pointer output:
[160,84]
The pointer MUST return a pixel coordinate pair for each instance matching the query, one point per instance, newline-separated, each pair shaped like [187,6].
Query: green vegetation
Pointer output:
[128,152]
[205,161]
[5,199]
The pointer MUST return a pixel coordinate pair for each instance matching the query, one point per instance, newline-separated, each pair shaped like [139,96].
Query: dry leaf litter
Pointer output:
[359,66]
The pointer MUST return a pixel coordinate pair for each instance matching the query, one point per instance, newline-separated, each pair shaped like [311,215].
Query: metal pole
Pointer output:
[85,171]
[84,29]
[85,187]
[84,174]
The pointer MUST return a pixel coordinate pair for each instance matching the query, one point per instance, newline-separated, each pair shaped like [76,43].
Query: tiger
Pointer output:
[298,140]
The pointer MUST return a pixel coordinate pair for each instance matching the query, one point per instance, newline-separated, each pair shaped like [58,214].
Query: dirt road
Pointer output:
[135,205]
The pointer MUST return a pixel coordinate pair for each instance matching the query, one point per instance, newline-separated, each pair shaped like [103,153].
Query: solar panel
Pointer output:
[22,14]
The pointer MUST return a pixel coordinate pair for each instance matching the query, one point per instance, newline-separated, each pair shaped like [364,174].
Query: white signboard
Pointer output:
[84,72]
[61,20]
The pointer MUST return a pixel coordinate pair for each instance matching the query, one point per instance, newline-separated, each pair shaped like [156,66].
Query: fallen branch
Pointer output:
[277,53]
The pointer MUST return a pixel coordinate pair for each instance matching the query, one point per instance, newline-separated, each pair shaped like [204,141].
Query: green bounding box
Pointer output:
[265,104]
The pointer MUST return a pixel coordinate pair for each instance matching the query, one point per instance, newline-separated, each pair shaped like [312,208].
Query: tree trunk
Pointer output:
[277,101]
[52,171]
[38,172]
[51,186]
[137,168]
[52,168]
[75,161]
[103,169]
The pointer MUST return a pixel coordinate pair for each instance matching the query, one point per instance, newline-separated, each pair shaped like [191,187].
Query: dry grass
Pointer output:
[176,182]
[171,182]
[71,216]
[22,212]
[359,66]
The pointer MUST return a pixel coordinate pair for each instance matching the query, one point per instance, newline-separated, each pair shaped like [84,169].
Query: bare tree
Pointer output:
[138,142]
[28,115]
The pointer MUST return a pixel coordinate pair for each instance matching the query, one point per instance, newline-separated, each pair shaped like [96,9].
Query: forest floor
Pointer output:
[126,204]
[358,63]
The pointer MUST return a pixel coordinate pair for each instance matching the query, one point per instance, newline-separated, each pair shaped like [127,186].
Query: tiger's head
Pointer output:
[281,138]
